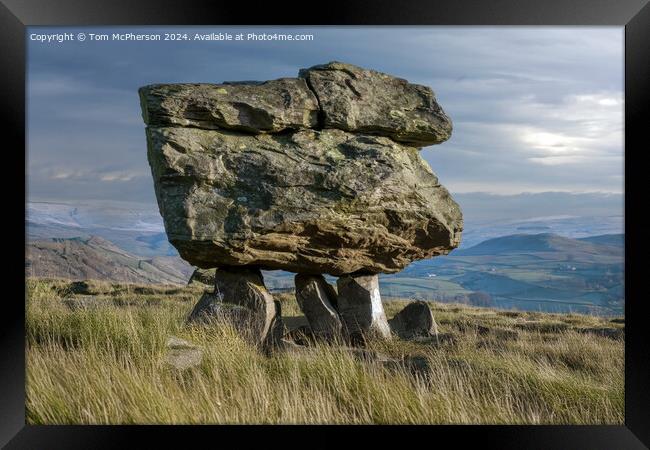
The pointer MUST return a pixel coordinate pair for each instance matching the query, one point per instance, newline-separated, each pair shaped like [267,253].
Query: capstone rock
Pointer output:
[271,106]
[307,202]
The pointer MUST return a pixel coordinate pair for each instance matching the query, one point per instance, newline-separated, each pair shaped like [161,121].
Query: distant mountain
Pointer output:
[82,258]
[543,242]
[544,272]
[136,228]
[576,227]
[616,240]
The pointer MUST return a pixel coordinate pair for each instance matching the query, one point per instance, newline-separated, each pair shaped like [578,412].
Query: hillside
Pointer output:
[136,228]
[486,367]
[82,258]
[535,272]
[616,240]
[545,242]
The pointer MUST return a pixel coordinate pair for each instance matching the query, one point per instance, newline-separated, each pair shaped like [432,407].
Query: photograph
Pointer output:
[325,225]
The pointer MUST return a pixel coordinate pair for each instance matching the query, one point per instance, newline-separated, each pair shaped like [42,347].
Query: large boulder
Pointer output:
[317,300]
[286,193]
[367,101]
[308,201]
[241,299]
[360,307]
[416,319]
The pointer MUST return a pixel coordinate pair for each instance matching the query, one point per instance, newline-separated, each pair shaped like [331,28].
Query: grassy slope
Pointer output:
[106,365]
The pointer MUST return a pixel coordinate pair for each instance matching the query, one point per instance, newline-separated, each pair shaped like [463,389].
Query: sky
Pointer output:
[534,109]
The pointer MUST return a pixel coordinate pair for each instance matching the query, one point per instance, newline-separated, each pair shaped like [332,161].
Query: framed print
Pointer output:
[240,216]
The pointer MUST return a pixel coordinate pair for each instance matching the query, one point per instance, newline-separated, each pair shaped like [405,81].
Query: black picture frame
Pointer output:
[634,15]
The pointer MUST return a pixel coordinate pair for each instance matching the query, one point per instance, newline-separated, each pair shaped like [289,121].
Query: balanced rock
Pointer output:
[317,300]
[360,307]
[367,101]
[241,299]
[416,319]
[246,175]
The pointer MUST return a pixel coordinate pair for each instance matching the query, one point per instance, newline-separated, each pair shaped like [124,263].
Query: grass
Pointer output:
[106,365]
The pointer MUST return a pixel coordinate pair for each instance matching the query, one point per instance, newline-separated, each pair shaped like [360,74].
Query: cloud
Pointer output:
[481,207]
[534,109]
[119,176]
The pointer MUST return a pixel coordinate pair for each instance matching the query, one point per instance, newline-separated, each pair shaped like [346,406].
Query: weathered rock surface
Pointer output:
[277,329]
[317,300]
[202,276]
[360,307]
[307,202]
[271,106]
[366,101]
[302,174]
[241,298]
[416,319]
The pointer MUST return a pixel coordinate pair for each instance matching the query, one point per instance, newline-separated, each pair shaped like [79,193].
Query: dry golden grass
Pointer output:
[105,365]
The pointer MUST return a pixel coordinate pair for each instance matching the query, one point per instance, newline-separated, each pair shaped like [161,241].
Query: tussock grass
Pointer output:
[106,365]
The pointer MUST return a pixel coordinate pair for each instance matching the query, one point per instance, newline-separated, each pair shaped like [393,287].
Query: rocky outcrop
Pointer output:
[246,174]
[416,319]
[360,307]
[317,300]
[94,258]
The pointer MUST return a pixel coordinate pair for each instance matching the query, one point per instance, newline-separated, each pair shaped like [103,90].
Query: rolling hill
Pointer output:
[545,242]
[543,272]
[136,228]
[82,258]
[615,240]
